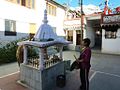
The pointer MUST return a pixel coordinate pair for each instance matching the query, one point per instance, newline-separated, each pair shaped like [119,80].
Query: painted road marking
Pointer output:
[95,72]
[92,75]
[9,74]
[109,74]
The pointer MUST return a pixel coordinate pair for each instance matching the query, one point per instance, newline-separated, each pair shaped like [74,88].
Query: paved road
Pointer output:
[10,83]
[106,70]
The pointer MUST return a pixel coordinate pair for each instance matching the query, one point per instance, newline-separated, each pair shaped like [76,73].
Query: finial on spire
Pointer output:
[45,16]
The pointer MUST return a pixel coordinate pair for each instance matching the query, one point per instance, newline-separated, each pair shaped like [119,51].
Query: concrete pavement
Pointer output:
[105,72]
[10,83]
[6,69]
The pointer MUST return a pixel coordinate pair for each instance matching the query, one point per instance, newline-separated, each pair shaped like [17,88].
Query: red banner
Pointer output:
[118,9]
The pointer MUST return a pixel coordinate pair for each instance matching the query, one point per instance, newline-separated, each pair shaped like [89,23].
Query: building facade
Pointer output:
[21,18]
[72,28]
[14,20]
[111,33]
[103,31]
[56,15]
[91,29]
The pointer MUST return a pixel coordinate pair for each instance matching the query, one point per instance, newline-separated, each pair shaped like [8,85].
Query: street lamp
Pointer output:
[81,10]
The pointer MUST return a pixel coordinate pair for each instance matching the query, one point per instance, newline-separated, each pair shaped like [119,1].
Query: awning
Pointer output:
[72,27]
[110,25]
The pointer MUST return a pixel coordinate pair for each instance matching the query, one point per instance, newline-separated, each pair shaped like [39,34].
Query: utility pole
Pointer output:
[81,19]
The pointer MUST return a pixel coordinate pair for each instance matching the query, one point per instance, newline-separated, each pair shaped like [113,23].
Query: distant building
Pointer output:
[103,31]
[21,18]
[91,28]
[72,28]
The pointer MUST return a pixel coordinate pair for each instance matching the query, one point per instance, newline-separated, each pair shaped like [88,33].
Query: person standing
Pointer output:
[84,62]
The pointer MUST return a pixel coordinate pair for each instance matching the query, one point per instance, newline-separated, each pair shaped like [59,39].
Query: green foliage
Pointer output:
[32,52]
[8,52]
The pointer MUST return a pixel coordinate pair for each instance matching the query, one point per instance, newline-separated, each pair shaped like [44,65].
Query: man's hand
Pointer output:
[78,61]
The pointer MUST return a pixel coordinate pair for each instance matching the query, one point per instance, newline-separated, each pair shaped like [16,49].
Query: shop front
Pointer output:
[111,34]
[73,34]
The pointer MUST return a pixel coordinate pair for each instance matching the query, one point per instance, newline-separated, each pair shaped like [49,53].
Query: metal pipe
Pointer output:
[81,10]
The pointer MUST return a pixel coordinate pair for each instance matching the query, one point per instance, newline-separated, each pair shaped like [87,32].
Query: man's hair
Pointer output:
[87,41]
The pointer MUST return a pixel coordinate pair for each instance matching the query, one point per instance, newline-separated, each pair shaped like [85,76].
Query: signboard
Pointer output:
[111,19]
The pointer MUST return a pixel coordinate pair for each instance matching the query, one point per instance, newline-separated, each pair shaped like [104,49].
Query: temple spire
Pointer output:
[45,16]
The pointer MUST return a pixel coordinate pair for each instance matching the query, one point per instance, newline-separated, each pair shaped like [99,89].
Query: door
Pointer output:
[23,2]
[78,38]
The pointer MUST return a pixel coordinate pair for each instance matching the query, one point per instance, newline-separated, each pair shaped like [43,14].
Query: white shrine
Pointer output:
[40,73]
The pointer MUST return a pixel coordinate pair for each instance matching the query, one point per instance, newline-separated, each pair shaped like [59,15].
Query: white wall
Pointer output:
[60,19]
[111,46]
[57,21]
[22,15]
[89,33]
[74,37]
[16,12]
[39,10]
[71,22]
[93,17]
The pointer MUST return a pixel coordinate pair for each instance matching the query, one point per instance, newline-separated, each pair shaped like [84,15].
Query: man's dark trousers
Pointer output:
[84,73]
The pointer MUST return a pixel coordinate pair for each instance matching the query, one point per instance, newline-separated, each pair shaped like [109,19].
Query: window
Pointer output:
[12,1]
[10,28]
[51,9]
[110,34]
[33,4]
[18,1]
[28,4]
[23,2]
[54,29]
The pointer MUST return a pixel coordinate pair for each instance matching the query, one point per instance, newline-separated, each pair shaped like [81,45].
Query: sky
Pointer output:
[74,3]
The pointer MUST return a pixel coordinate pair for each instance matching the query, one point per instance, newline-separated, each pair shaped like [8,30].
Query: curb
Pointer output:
[22,84]
[99,52]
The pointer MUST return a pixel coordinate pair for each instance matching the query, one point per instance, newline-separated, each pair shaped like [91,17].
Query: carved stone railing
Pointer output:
[49,63]
[34,62]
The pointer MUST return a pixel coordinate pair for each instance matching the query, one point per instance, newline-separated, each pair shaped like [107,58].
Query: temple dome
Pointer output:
[45,31]
[45,36]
